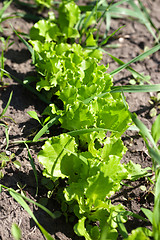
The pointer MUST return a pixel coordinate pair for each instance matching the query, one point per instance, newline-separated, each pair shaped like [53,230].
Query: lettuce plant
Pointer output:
[60,29]
[91,178]
[83,86]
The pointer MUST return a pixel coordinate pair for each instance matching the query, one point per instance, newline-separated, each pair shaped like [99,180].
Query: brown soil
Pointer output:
[132,38]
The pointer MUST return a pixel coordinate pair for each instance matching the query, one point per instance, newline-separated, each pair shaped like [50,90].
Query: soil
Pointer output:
[133,39]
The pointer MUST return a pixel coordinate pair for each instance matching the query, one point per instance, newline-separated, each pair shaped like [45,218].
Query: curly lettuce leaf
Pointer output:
[69,14]
[77,117]
[135,171]
[45,30]
[80,229]
[98,187]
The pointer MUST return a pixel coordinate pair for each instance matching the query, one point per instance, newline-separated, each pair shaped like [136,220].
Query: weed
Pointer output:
[4,16]
[16,232]
[5,45]
[155,104]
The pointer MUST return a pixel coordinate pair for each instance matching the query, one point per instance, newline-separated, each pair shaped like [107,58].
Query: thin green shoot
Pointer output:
[115,11]
[2,13]
[121,227]
[3,116]
[104,42]
[154,216]
[2,66]
[127,88]
[5,46]
[33,167]
[46,127]
[16,232]
[4,159]
[135,74]
[6,43]
[101,8]
[88,130]
[21,200]
[94,10]
[4,16]
[147,15]
[136,88]
[27,86]
[34,115]
[144,17]
[148,138]
[51,214]
[27,141]
[155,130]
[138,58]
[25,42]
[155,104]
[6,107]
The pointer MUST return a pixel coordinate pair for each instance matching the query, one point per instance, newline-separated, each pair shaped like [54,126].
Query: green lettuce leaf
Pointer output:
[53,151]
[69,14]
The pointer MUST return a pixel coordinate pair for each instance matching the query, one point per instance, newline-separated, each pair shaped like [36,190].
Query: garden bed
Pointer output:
[133,39]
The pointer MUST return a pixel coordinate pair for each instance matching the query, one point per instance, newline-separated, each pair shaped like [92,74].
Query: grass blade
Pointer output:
[131,70]
[135,88]
[21,201]
[121,227]
[31,89]
[143,129]
[89,17]
[52,215]
[153,151]
[142,17]
[89,130]
[26,5]
[3,9]
[101,8]
[138,58]
[7,136]
[127,88]
[25,42]
[148,213]
[108,37]
[46,127]
[128,213]
[155,155]
[155,130]
[16,232]
[147,15]
[33,167]
[2,65]
[116,12]
[27,141]
[118,3]
[6,107]
[156,212]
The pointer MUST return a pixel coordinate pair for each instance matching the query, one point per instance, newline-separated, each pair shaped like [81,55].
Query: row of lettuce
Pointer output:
[87,154]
